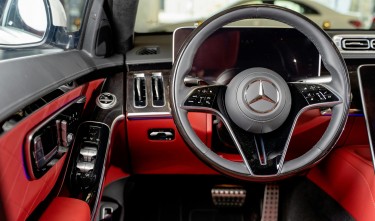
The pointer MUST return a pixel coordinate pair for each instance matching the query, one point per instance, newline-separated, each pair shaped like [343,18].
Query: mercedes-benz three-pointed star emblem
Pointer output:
[265,100]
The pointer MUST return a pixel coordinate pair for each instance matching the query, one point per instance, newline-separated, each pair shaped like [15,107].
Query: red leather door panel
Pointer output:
[22,195]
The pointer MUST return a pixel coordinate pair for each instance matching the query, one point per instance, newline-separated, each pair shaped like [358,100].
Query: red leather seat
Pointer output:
[347,175]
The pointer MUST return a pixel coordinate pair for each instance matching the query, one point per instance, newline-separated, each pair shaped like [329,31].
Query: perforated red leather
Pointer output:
[63,208]
[347,175]
[22,195]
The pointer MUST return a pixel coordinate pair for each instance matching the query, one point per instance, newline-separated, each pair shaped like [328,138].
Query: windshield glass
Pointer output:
[167,15]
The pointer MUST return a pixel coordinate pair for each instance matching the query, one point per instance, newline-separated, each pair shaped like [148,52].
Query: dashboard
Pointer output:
[161,52]
[219,59]
[152,135]
[223,55]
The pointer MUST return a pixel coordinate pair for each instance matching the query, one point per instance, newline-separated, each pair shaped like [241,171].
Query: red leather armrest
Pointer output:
[63,208]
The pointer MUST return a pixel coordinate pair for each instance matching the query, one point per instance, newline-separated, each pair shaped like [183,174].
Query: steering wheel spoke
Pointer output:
[263,154]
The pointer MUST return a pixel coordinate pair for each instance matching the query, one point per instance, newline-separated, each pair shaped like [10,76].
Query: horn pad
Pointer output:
[258,100]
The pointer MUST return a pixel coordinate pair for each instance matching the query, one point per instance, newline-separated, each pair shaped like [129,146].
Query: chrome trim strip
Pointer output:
[318,80]
[100,188]
[148,114]
[320,65]
[261,153]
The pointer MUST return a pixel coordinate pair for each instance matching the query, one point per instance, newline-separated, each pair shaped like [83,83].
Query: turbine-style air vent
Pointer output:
[140,96]
[157,89]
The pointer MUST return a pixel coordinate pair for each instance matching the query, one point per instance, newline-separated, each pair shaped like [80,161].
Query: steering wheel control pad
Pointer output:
[315,93]
[258,100]
[202,97]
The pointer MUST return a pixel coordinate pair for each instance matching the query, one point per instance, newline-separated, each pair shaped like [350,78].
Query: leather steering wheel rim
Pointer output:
[331,59]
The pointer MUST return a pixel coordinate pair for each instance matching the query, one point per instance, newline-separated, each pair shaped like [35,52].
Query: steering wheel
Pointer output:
[258,107]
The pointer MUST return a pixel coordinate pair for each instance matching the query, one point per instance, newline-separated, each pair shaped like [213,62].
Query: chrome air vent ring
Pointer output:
[106,100]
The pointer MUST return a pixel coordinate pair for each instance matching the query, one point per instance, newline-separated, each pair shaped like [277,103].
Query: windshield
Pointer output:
[167,15]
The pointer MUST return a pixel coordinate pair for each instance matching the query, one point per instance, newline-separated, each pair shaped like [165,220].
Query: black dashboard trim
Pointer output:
[39,75]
